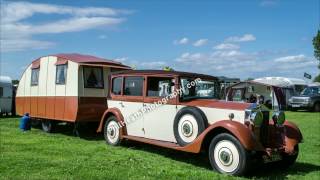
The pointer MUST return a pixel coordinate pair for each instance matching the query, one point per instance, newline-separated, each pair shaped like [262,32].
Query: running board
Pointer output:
[165,144]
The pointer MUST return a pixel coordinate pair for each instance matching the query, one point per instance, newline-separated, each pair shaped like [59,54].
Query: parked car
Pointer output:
[309,99]
[165,108]
[6,95]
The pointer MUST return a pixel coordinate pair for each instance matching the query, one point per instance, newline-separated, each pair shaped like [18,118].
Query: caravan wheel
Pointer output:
[47,126]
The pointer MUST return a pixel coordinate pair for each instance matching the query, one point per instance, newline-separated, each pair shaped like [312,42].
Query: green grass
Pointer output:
[37,155]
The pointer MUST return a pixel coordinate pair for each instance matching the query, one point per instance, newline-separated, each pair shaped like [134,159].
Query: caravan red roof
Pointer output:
[85,59]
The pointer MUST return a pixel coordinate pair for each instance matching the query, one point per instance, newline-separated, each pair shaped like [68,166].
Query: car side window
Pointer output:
[159,86]
[133,86]
[35,76]
[117,85]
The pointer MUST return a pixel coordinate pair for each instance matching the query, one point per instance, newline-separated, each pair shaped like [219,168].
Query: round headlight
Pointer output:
[256,118]
[279,117]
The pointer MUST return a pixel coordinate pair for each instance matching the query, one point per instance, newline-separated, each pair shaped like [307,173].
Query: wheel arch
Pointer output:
[293,136]
[236,129]
[199,116]
[111,112]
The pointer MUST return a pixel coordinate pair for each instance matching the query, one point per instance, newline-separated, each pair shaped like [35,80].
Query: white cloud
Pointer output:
[152,65]
[226,46]
[200,42]
[22,44]
[242,64]
[16,11]
[244,38]
[102,36]
[121,59]
[16,29]
[181,41]
[268,3]
[291,59]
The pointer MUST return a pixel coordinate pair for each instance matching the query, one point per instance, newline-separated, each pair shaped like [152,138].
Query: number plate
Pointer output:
[295,105]
[275,156]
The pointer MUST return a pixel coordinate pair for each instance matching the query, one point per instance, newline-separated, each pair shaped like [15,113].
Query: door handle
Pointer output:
[121,104]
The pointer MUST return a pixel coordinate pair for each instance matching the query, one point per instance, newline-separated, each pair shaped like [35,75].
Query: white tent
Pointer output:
[281,81]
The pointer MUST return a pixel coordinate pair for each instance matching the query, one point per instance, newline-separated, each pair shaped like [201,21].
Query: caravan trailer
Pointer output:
[6,95]
[65,87]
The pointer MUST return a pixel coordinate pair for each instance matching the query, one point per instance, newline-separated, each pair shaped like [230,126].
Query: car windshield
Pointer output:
[311,91]
[197,88]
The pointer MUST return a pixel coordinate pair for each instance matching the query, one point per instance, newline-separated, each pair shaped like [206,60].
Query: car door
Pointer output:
[127,96]
[158,120]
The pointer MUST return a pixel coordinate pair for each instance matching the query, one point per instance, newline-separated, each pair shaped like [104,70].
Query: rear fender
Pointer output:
[113,112]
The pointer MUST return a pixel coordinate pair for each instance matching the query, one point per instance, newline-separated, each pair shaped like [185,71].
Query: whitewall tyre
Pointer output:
[227,155]
[189,123]
[112,131]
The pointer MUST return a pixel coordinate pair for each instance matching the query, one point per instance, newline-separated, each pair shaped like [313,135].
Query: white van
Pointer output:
[6,94]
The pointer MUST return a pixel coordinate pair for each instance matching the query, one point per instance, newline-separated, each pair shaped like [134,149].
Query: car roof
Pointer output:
[163,72]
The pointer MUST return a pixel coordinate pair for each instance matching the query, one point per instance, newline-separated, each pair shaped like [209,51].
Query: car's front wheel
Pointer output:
[316,107]
[288,159]
[227,155]
[112,131]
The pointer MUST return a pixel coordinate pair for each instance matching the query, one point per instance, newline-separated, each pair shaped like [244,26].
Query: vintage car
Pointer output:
[164,108]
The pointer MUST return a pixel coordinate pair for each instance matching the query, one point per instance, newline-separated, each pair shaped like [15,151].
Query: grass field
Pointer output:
[37,155]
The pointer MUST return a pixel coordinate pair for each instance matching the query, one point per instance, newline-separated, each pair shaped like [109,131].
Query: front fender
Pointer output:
[293,136]
[240,131]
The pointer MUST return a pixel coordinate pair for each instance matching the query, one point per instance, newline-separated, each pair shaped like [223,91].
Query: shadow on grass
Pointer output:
[8,117]
[85,131]
[273,172]
[201,160]
[88,132]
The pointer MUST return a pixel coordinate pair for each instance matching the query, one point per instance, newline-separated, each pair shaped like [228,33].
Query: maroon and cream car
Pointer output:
[181,111]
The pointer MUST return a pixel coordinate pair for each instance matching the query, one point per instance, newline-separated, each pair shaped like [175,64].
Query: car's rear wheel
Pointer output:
[189,123]
[227,155]
[112,131]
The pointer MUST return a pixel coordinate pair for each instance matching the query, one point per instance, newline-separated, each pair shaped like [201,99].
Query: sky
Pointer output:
[254,38]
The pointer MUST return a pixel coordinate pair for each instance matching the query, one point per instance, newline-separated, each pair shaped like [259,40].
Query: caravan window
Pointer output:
[61,73]
[34,77]
[93,77]
[1,91]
